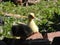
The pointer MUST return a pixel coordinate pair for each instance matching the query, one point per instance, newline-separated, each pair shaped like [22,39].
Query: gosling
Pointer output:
[32,24]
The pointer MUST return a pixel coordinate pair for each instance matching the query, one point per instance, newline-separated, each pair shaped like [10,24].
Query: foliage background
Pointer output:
[45,10]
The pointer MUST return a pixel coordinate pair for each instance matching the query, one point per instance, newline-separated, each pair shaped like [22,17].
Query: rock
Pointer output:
[25,2]
[33,1]
[0,0]
[52,35]
[17,2]
[36,35]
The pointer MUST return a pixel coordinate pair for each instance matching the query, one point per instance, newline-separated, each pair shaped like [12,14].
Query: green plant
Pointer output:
[43,10]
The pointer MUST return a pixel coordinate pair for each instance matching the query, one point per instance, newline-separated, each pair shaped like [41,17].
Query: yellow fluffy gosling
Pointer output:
[31,23]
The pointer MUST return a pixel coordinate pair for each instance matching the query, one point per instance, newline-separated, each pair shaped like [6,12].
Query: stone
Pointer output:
[34,36]
[0,0]
[25,2]
[33,1]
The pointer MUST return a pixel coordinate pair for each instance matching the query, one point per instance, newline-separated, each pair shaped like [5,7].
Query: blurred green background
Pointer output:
[47,11]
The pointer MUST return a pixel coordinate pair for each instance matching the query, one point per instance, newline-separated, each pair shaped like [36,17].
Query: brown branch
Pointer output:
[13,15]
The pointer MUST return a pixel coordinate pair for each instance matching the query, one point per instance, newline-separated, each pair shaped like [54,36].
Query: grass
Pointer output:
[43,10]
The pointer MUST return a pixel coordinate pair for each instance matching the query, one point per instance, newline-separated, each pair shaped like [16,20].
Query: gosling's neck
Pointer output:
[30,20]
[33,26]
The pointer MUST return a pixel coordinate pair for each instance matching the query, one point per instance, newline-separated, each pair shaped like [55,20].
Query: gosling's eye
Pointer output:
[30,16]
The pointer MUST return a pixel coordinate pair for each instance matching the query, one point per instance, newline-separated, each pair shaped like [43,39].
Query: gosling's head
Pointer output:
[31,16]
